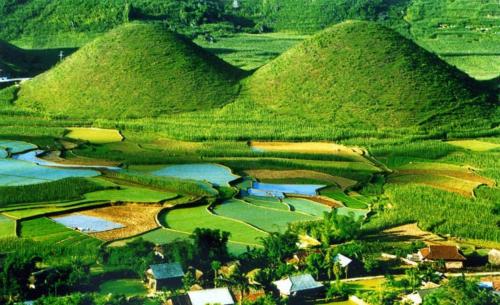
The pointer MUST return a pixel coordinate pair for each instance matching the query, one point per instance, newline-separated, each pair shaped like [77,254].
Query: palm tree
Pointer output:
[215,265]
[239,281]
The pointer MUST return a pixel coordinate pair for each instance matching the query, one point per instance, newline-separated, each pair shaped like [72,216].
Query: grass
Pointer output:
[126,287]
[250,51]
[270,220]
[366,50]
[169,74]
[181,219]
[7,227]
[94,135]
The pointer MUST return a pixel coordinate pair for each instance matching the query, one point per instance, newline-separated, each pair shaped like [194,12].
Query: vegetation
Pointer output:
[167,72]
[65,189]
[318,86]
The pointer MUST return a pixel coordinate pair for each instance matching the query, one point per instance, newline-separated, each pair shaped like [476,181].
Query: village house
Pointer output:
[165,276]
[449,254]
[299,286]
[219,296]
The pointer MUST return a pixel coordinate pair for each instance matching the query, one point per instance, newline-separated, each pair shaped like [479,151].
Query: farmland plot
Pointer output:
[131,194]
[270,220]
[88,224]
[135,218]
[15,172]
[48,231]
[16,147]
[213,173]
[307,206]
[188,219]
[267,202]
[475,145]
[7,227]
[94,135]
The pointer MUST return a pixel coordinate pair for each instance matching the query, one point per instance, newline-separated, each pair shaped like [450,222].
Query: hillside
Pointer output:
[136,70]
[364,74]
[18,62]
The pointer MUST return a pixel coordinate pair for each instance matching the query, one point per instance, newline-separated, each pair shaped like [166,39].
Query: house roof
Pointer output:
[220,296]
[167,271]
[344,261]
[438,252]
[297,283]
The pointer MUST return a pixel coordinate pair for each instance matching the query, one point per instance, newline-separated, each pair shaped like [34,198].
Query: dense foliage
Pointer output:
[65,189]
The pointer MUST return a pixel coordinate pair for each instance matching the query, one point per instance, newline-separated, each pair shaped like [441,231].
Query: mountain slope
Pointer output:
[365,74]
[136,70]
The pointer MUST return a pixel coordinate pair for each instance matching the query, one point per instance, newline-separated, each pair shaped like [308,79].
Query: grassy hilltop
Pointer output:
[364,74]
[136,70]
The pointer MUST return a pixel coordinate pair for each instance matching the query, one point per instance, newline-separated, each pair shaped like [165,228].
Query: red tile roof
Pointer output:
[438,252]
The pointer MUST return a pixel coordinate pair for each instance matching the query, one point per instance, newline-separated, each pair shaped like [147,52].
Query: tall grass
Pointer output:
[64,189]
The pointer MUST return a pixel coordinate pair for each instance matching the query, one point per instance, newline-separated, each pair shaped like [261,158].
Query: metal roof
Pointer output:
[297,283]
[220,296]
[167,271]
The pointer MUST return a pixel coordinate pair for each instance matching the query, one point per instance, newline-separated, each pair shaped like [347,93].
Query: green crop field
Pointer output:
[307,206]
[50,232]
[181,219]
[266,202]
[127,287]
[94,135]
[356,202]
[7,227]
[130,194]
[267,219]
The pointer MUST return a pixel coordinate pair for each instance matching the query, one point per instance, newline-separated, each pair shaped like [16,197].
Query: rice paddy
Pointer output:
[135,218]
[213,173]
[15,172]
[15,147]
[131,194]
[186,220]
[87,224]
[267,219]
[356,202]
[7,227]
[126,287]
[94,135]
[307,206]
[475,145]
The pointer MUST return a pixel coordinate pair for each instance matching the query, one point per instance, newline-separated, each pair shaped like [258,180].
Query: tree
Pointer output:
[15,272]
[210,245]
[215,265]
[314,264]
[461,291]
[239,281]
[278,247]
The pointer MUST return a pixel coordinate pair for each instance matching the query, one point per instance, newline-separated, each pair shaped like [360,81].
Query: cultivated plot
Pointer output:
[188,219]
[16,147]
[87,224]
[94,135]
[15,172]
[213,173]
[270,220]
[7,227]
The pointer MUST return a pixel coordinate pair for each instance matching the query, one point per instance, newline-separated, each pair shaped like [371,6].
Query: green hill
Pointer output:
[136,70]
[364,74]
[17,62]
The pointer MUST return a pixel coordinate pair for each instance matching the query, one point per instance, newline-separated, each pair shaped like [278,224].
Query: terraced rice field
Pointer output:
[353,153]
[16,147]
[94,135]
[475,145]
[273,176]
[7,227]
[307,206]
[270,220]
[186,220]
[349,211]
[45,230]
[14,172]
[136,219]
[213,173]
[355,202]
[267,202]
[38,209]
[87,224]
[131,194]
[448,177]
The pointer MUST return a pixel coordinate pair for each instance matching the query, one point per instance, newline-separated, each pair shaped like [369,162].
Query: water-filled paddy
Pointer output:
[213,173]
[87,224]
[16,172]
[16,147]
[298,189]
